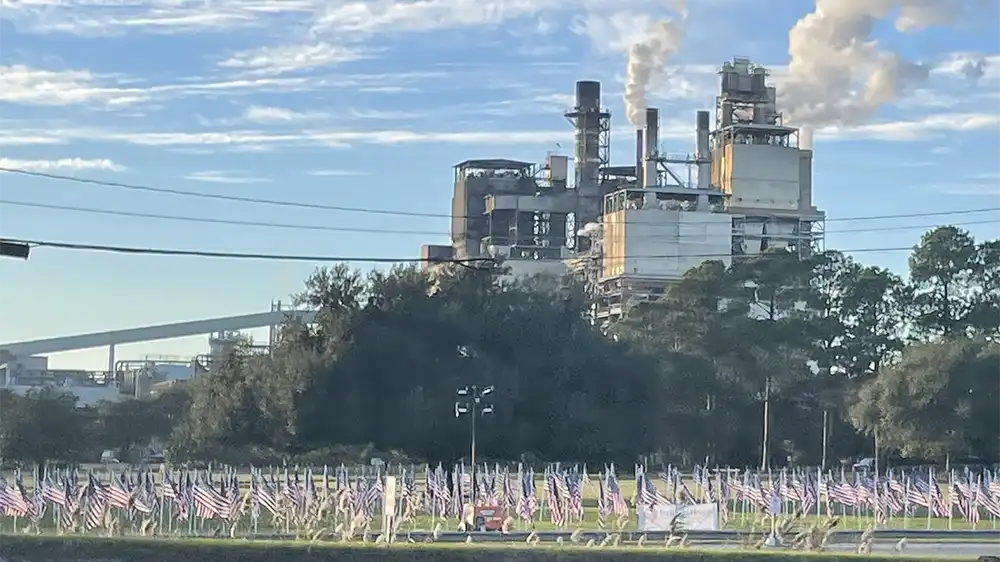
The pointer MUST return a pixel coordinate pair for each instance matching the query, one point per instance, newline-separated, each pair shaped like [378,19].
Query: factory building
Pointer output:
[759,165]
[527,216]
[651,234]
[514,212]
[631,230]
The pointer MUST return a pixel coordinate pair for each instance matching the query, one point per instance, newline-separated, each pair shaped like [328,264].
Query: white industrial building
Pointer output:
[23,365]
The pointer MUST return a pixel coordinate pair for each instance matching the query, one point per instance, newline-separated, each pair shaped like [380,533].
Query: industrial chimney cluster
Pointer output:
[745,189]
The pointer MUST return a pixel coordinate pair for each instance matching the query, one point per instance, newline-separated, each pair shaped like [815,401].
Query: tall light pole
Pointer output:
[473,408]
[767,424]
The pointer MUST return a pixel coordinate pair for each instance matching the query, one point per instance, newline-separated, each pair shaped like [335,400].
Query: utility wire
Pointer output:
[229,255]
[299,226]
[264,224]
[302,205]
[296,257]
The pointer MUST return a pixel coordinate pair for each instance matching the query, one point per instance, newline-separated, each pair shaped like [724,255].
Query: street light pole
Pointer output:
[767,424]
[474,408]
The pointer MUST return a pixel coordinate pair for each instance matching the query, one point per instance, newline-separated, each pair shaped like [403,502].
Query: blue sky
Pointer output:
[369,104]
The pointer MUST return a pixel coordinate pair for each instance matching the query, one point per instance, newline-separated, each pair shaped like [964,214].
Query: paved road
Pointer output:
[970,550]
[963,544]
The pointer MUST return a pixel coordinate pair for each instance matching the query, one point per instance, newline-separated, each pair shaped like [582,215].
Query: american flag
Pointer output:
[574,488]
[119,494]
[527,503]
[262,495]
[603,504]
[144,494]
[646,492]
[437,490]
[555,499]
[208,503]
[618,504]
[509,492]
[14,499]
[97,503]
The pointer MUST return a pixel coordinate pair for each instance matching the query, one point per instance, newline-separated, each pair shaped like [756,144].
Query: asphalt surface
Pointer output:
[959,544]
[730,538]
[960,549]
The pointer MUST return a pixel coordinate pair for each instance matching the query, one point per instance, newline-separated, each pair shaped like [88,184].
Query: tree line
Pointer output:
[831,346]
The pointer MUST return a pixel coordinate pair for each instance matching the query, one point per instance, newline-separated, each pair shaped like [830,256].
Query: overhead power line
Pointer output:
[329,228]
[210,220]
[226,255]
[314,258]
[318,206]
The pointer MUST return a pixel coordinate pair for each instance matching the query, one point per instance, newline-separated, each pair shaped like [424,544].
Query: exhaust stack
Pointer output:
[640,151]
[703,155]
[652,137]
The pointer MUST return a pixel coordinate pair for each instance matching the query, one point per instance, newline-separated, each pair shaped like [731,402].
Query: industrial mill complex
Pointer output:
[632,229]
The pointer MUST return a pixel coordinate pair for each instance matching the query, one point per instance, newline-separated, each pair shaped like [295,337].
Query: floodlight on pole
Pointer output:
[473,409]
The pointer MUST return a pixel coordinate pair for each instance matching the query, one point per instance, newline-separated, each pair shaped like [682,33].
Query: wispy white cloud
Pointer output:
[680,129]
[25,85]
[271,114]
[63,165]
[225,176]
[922,128]
[116,17]
[291,58]
[22,84]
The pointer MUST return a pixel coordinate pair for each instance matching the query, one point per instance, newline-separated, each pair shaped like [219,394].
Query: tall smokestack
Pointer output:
[704,164]
[640,150]
[652,135]
[587,119]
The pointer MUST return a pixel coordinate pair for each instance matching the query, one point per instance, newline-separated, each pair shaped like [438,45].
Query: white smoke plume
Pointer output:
[831,51]
[663,40]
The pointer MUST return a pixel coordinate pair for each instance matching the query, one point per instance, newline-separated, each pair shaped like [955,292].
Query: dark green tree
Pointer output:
[44,425]
[942,274]
[939,400]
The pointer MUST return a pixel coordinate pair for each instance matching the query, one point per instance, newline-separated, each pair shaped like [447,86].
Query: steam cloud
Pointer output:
[832,47]
[663,40]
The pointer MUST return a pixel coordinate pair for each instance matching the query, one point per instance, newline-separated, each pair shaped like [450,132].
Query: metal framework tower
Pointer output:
[592,153]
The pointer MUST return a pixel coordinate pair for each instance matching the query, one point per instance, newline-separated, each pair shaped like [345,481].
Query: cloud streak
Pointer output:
[225,176]
[63,165]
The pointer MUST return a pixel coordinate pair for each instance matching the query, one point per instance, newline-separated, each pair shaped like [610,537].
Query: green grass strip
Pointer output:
[27,548]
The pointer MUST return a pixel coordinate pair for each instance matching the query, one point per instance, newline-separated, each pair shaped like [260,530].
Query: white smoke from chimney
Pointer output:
[831,49]
[806,137]
[663,40]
